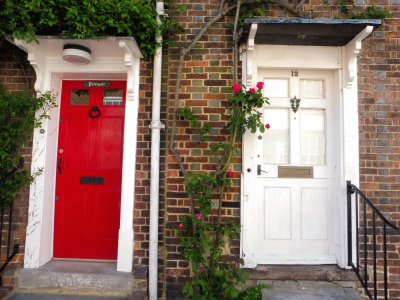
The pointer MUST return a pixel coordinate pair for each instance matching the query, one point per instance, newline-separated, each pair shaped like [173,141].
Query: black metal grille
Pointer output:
[369,233]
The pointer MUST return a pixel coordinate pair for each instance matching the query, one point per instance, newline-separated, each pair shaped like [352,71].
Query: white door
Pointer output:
[295,169]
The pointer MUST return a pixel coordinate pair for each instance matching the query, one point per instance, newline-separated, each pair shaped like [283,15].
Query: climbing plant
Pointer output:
[17,121]
[350,10]
[202,234]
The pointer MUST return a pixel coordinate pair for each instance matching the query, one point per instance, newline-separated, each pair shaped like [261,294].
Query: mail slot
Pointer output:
[91,180]
[295,172]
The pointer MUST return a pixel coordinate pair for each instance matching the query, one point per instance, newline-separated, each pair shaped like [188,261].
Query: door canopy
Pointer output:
[348,33]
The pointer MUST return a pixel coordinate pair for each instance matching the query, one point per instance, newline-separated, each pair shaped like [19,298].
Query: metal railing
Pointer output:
[8,249]
[368,231]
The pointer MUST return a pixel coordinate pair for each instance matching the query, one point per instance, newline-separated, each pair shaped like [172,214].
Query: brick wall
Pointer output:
[379,103]
[16,75]
[206,72]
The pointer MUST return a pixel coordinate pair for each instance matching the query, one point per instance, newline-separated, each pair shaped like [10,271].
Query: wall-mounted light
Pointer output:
[77,54]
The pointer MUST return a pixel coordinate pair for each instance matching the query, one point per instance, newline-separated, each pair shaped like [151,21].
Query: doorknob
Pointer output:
[59,166]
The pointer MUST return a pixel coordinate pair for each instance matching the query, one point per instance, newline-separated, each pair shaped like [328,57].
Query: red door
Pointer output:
[89,169]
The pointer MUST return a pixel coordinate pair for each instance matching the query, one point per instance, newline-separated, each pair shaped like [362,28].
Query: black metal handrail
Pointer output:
[6,237]
[364,228]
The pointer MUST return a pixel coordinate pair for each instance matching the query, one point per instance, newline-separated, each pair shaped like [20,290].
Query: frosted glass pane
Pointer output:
[276,88]
[276,139]
[112,97]
[312,136]
[312,88]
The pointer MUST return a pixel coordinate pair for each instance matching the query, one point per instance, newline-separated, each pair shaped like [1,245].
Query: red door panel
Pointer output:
[89,170]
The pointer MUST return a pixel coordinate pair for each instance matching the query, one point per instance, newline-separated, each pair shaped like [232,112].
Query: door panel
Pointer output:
[277,222]
[292,219]
[88,181]
[314,214]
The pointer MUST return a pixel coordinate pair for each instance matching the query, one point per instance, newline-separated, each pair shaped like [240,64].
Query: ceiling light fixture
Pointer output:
[77,54]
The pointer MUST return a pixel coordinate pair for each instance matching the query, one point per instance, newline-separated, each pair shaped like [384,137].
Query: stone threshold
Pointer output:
[301,272]
[84,278]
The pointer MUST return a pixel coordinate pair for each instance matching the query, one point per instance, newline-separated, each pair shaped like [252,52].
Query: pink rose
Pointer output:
[267,126]
[260,85]
[252,90]
[180,226]
[230,174]
[236,88]
[199,216]
[200,270]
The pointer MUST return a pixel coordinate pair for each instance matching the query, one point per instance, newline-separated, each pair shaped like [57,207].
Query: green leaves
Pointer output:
[24,19]
[17,121]
[202,130]
[352,11]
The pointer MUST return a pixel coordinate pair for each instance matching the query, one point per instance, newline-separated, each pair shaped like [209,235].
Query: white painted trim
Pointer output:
[117,58]
[341,60]
[250,52]
[126,235]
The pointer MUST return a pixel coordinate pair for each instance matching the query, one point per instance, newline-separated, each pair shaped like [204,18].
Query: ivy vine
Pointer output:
[350,10]
[17,121]
[24,19]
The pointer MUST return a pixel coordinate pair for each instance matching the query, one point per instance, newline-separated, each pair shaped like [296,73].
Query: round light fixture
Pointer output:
[77,54]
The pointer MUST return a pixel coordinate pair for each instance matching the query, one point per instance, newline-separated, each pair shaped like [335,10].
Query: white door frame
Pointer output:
[343,62]
[112,59]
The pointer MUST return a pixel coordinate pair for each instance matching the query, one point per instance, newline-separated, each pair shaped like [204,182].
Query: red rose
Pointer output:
[200,270]
[267,126]
[199,216]
[260,85]
[230,174]
[252,90]
[180,226]
[236,88]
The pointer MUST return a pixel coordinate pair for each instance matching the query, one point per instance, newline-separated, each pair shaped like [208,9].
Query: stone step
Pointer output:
[301,272]
[86,279]
[308,290]
[47,296]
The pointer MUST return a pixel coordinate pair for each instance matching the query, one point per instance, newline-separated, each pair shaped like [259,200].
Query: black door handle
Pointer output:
[259,170]
[59,166]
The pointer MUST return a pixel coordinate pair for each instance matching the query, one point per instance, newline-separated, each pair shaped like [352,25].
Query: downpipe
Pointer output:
[155,127]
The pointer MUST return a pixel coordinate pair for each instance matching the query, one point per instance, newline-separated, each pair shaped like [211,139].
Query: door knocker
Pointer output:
[94,112]
[295,103]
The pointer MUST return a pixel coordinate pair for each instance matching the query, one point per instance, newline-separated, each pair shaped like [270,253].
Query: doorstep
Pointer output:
[82,278]
[308,290]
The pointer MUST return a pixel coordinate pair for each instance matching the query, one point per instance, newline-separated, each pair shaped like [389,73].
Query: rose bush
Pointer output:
[202,234]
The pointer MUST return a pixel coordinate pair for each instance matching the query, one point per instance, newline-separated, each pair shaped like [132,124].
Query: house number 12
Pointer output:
[295,73]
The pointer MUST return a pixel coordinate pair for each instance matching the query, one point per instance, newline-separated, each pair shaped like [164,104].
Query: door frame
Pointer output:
[113,59]
[342,61]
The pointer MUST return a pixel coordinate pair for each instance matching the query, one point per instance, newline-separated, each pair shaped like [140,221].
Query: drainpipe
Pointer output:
[155,126]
